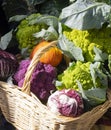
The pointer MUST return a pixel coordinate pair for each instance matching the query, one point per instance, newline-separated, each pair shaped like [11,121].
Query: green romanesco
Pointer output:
[88,39]
[24,33]
[78,71]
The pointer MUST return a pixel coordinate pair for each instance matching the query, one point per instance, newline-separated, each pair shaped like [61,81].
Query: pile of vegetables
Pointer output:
[88,78]
[87,44]
[83,36]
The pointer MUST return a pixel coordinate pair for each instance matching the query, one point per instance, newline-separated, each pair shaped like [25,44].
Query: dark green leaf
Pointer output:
[34,2]
[46,19]
[96,96]
[99,55]
[17,18]
[93,96]
[109,62]
[97,73]
[50,34]
[5,40]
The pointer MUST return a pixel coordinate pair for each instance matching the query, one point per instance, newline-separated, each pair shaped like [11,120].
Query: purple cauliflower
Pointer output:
[66,102]
[42,80]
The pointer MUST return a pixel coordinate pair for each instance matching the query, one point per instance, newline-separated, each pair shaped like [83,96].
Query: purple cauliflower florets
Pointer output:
[66,102]
[42,80]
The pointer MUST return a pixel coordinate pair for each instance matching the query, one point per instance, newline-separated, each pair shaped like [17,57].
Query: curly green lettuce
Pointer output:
[88,39]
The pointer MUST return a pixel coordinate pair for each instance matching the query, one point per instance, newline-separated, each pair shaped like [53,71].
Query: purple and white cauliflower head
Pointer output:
[66,102]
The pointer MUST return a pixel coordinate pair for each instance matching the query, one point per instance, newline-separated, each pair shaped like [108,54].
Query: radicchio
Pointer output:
[66,102]
[8,64]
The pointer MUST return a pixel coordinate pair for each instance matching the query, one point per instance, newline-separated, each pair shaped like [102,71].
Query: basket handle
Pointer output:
[26,85]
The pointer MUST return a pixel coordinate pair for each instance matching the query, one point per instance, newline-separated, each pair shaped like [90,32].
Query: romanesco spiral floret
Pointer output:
[25,32]
[78,72]
[88,39]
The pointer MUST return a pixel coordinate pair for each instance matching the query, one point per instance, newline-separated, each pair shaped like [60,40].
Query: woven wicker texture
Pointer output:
[22,109]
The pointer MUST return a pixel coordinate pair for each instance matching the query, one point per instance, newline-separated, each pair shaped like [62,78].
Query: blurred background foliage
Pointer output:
[52,7]
[17,7]
[105,1]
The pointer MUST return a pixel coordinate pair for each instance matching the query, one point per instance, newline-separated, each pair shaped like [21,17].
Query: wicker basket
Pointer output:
[101,127]
[24,110]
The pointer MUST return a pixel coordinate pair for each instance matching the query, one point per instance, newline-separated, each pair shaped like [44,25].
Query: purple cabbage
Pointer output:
[42,80]
[66,102]
[8,65]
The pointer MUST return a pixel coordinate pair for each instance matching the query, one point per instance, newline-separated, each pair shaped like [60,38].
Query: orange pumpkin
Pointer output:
[53,56]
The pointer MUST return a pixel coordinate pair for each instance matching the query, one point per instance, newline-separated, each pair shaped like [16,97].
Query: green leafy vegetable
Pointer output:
[69,49]
[17,18]
[86,78]
[109,62]
[84,14]
[94,43]
[97,73]
[45,19]
[5,40]
[53,7]
[49,34]
[25,31]
[93,96]
[99,55]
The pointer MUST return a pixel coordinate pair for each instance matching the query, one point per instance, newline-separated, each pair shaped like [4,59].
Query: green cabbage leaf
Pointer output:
[85,14]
